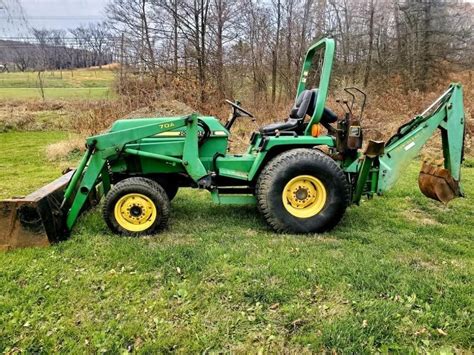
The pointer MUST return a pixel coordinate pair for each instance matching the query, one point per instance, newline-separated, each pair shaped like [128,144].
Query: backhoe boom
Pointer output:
[446,114]
[382,165]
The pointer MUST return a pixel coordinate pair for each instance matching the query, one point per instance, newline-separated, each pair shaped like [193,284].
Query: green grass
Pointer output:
[57,79]
[77,84]
[395,275]
[23,163]
[56,93]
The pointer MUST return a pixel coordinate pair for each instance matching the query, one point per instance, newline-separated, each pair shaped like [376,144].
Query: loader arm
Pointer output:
[386,166]
[48,215]
[93,169]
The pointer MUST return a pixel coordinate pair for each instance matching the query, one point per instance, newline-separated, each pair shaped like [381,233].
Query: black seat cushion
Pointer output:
[305,105]
[290,124]
[328,116]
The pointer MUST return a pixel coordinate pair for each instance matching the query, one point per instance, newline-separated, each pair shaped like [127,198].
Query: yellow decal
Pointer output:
[170,134]
[167,125]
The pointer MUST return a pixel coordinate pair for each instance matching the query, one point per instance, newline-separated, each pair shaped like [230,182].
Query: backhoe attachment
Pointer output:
[439,183]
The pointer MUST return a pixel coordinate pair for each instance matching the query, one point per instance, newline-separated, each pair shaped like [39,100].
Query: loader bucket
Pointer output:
[34,220]
[437,183]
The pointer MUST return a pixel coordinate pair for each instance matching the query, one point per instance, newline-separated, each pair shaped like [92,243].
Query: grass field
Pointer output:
[23,163]
[65,85]
[395,275]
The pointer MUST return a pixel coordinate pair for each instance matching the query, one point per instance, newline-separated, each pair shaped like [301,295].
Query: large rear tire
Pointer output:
[302,191]
[136,206]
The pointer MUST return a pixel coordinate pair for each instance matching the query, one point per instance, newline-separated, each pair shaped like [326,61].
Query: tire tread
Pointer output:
[284,160]
[149,184]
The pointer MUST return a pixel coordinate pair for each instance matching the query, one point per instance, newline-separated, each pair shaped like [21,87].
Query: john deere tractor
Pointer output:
[301,173]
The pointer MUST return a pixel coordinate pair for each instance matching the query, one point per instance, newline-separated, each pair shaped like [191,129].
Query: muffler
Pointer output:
[34,220]
[437,183]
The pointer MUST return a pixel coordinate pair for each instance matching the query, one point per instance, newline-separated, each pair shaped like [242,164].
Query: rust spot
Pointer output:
[34,220]
[437,183]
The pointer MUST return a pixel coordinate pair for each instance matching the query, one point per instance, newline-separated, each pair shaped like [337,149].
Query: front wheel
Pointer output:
[169,183]
[136,206]
[302,191]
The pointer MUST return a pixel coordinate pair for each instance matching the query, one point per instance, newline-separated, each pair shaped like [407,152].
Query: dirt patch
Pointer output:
[419,217]
[419,261]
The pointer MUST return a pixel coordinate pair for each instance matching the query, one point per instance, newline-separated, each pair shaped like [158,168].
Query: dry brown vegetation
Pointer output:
[386,109]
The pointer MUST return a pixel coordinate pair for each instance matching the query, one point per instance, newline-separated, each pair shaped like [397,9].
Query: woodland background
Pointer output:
[403,53]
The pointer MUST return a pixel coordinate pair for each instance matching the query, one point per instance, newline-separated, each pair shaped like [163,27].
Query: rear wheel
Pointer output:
[136,206]
[302,191]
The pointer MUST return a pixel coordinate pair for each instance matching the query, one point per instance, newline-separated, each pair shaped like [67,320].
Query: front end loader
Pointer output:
[301,173]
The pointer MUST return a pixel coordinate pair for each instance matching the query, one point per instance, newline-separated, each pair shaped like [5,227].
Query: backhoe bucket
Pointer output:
[437,183]
[34,220]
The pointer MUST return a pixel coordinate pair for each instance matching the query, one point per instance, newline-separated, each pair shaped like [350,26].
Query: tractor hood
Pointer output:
[216,128]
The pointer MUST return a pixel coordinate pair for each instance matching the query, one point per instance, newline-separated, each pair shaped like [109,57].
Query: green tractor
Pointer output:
[301,179]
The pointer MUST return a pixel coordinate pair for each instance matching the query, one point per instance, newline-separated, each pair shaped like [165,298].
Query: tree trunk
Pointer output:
[371,43]
[175,37]
[275,54]
[220,51]
[425,46]
[151,52]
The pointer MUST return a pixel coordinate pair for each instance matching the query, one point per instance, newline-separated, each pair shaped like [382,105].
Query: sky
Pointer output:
[55,14]
[63,13]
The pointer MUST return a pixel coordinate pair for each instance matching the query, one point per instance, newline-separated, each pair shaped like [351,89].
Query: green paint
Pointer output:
[222,199]
[328,46]
[174,145]
[448,117]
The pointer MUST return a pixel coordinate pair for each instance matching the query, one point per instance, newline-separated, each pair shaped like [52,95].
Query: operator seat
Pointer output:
[304,105]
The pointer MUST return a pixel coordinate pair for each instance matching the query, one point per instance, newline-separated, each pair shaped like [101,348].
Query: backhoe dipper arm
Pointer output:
[447,114]
[109,145]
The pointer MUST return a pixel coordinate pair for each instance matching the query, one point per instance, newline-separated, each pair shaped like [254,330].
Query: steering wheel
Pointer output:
[238,108]
[206,134]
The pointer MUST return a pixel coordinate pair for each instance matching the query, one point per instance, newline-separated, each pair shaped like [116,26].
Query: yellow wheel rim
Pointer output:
[135,212]
[304,196]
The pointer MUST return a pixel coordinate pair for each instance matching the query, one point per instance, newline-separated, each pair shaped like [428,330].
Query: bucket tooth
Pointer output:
[34,220]
[437,183]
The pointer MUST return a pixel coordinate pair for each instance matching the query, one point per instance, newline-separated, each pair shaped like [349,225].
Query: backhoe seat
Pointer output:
[304,105]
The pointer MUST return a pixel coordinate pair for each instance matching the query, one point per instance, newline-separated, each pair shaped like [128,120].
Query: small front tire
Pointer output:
[136,206]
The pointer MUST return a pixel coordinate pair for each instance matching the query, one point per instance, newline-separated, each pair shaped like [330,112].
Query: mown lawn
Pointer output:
[56,93]
[77,84]
[23,162]
[395,275]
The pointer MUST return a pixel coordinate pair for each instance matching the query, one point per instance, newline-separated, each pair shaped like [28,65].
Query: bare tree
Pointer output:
[263,46]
